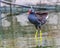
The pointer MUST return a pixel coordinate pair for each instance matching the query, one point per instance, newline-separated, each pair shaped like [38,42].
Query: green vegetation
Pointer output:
[13,14]
[42,47]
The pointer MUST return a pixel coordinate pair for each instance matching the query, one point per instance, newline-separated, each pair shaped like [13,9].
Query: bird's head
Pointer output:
[31,11]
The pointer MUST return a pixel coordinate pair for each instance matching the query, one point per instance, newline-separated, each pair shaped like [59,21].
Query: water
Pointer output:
[17,32]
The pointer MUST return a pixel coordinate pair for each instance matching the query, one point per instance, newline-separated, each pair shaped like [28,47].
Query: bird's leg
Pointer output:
[40,36]
[36,37]
[39,30]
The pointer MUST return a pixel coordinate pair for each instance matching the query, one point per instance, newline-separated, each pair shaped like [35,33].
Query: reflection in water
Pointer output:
[22,19]
[5,23]
[23,36]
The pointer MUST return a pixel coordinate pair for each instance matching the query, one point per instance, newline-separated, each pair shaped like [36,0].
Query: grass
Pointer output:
[42,47]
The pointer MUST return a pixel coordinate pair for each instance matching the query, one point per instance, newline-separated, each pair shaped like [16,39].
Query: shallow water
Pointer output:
[18,32]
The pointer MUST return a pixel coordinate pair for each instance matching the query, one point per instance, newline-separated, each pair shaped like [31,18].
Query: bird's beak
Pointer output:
[28,12]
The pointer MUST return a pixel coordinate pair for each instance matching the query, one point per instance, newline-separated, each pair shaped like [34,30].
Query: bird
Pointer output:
[37,19]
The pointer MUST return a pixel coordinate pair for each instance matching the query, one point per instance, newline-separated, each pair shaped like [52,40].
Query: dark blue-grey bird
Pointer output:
[37,18]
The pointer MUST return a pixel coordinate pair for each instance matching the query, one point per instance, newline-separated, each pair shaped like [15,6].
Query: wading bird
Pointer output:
[37,19]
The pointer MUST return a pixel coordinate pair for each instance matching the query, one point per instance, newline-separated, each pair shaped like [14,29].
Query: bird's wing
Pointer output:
[41,16]
[39,13]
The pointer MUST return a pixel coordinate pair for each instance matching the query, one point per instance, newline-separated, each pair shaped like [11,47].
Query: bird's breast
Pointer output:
[32,18]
